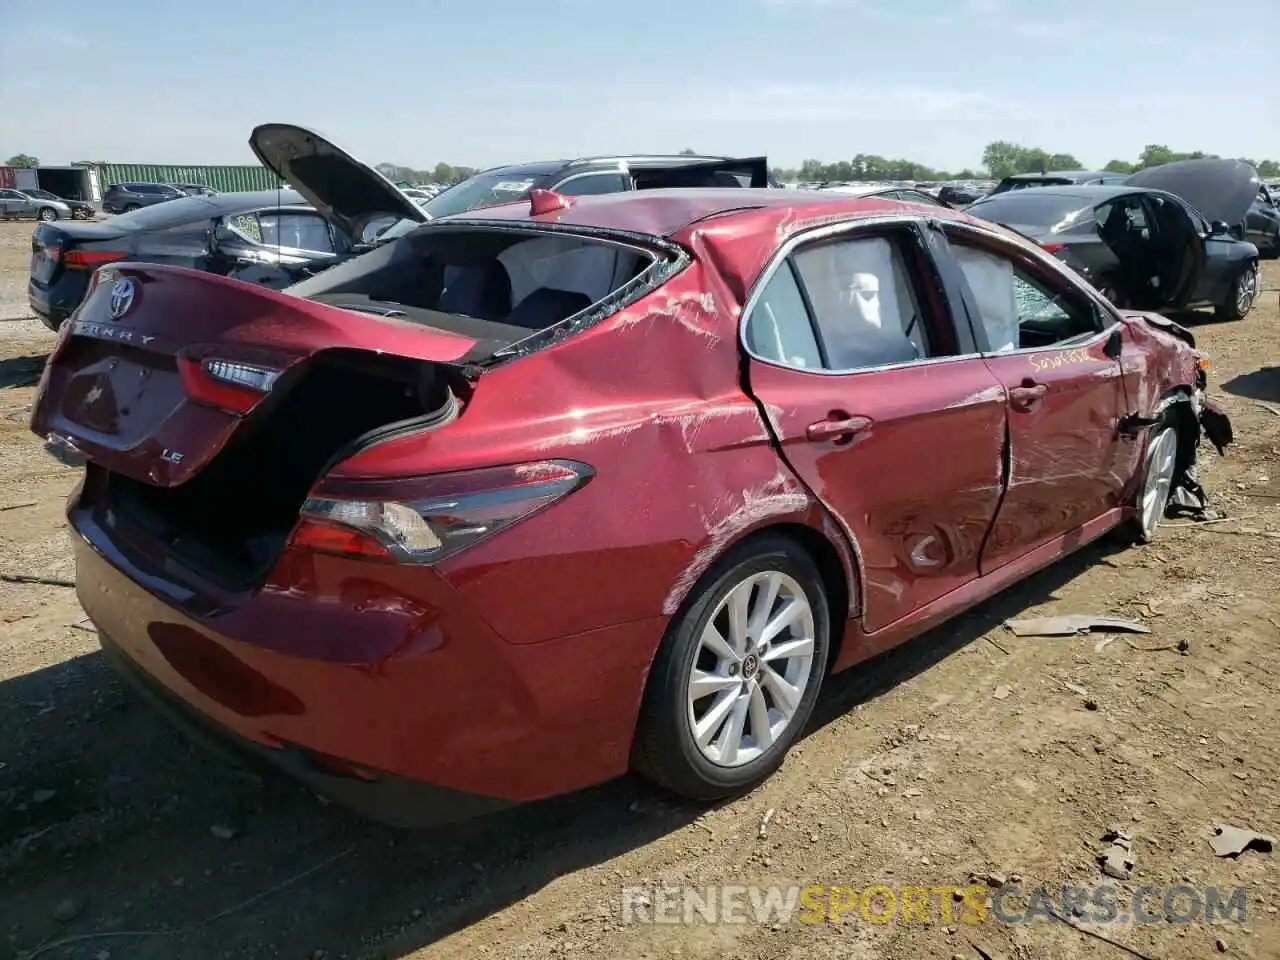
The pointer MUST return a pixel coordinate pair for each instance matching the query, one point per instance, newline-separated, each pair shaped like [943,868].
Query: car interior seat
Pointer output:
[476,290]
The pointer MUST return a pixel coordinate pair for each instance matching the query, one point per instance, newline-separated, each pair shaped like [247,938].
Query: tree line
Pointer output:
[1000,159]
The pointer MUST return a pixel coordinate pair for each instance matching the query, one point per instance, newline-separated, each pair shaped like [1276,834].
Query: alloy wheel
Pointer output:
[753,664]
[1158,482]
[1247,289]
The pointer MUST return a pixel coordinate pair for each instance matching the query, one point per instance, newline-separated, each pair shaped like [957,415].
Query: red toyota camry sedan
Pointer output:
[556,489]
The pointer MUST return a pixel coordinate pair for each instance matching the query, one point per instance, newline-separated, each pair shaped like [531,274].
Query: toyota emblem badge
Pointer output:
[121,298]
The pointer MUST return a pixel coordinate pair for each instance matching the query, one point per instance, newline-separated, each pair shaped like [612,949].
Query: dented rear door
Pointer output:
[906,456]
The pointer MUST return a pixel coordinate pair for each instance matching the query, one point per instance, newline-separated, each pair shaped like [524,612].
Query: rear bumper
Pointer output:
[378,795]
[53,304]
[377,687]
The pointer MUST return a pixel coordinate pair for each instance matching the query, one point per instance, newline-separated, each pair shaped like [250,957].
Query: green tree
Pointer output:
[688,152]
[1119,166]
[24,160]
[1002,158]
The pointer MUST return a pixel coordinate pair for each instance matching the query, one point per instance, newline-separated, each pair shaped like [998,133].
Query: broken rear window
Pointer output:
[495,285]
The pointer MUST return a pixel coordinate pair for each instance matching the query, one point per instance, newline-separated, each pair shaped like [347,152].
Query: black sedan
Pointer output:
[1144,249]
[269,237]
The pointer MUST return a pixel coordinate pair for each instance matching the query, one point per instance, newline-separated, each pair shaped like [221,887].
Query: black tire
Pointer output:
[1241,294]
[130,207]
[665,750]
[1134,530]
[47,214]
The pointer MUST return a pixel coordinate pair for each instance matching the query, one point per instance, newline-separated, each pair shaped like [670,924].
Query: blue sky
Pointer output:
[499,80]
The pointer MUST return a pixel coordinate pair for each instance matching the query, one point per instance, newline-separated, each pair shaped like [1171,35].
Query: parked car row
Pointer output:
[41,205]
[367,528]
[129,196]
[280,237]
[1159,240]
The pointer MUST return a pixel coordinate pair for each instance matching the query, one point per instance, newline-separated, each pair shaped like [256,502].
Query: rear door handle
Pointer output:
[837,427]
[1027,396]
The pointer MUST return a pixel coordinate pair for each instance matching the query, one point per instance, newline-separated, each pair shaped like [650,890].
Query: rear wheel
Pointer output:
[47,214]
[130,207]
[738,673]
[1239,299]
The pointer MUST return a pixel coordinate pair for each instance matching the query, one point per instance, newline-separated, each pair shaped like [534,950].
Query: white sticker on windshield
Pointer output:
[512,186]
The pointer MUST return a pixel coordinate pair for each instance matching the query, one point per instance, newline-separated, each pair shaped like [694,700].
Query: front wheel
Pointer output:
[47,214]
[737,675]
[1239,299]
[1160,467]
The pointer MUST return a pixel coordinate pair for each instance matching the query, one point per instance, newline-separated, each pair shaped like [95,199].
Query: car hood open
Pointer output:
[345,189]
[1219,189]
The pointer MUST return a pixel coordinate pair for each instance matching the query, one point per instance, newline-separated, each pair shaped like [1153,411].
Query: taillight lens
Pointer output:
[425,519]
[226,384]
[90,259]
[1053,247]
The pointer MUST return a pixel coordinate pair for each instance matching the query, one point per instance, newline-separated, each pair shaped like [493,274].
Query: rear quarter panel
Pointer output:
[650,399]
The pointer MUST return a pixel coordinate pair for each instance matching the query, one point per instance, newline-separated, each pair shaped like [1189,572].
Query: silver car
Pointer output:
[17,203]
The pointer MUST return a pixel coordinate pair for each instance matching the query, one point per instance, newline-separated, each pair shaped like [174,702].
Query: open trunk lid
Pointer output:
[162,366]
[1219,189]
[341,187]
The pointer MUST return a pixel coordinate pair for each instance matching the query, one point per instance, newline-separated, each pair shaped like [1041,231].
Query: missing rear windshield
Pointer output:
[510,288]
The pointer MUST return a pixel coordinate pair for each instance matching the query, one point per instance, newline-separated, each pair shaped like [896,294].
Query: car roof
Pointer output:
[1063,174]
[1086,193]
[542,168]
[231,202]
[744,226]
[666,212]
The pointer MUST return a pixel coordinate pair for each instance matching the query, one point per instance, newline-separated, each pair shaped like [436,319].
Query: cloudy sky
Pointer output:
[500,80]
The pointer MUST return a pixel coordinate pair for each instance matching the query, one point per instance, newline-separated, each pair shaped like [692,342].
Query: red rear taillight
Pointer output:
[226,384]
[89,259]
[326,537]
[1053,247]
[425,519]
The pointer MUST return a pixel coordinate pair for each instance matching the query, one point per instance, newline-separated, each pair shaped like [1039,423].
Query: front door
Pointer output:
[899,435]
[1049,343]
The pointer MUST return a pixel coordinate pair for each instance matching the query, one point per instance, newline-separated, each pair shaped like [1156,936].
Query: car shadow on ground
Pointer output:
[1262,384]
[110,821]
[22,371]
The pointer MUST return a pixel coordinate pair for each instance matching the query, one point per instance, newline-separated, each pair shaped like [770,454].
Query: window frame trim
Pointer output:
[828,232]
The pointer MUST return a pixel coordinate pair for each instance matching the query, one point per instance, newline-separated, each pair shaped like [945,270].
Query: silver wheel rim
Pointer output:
[752,667]
[1161,460]
[1246,290]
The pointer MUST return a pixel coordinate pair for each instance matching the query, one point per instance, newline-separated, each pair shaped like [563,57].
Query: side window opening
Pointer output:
[1018,308]
[843,305]
[864,302]
[779,328]
[593,184]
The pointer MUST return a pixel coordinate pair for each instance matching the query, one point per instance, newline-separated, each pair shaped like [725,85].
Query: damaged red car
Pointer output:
[550,491]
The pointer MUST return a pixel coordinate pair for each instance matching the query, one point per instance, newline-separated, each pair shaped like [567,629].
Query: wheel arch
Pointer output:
[1175,404]
[820,539]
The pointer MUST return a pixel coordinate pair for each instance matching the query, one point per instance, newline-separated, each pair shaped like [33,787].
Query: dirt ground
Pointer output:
[967,752]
